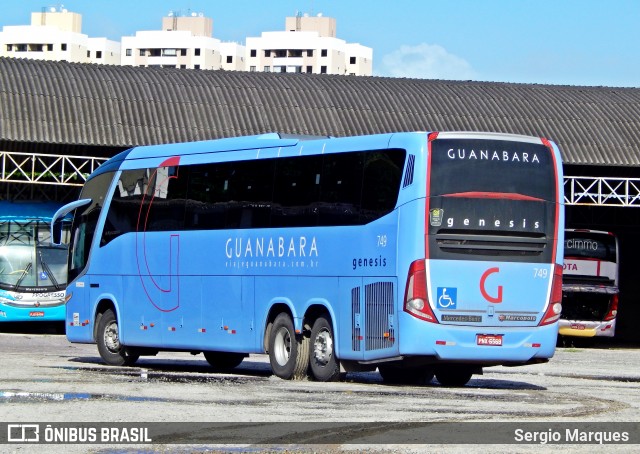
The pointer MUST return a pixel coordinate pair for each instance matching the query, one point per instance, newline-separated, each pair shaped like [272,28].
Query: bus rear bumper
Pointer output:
[32,314]
[508,345]
[577,328]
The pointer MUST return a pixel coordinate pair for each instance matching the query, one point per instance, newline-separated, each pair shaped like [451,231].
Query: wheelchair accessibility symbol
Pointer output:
[446,297]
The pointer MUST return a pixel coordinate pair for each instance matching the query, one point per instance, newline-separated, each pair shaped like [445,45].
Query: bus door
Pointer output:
[78,312]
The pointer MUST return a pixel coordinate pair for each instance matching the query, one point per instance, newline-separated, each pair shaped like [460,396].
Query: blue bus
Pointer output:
[32,270]
[418,254]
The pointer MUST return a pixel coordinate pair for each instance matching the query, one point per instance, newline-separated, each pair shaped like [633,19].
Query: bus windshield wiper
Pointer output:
[47,270]
[23,275]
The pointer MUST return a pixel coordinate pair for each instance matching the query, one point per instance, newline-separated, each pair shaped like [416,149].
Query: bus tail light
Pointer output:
[555,305]
[613,309]
[416,299]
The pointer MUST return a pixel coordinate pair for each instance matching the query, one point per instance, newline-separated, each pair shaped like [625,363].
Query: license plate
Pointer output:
[494,340]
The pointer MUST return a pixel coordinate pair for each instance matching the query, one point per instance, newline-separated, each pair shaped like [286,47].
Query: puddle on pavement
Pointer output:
[173,375]
[24,396]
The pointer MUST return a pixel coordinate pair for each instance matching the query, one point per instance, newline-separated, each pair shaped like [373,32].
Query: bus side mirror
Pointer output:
[56,221]
[56,232]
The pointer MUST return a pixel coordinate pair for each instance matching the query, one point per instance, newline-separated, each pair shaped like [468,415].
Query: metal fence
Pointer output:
[69,171]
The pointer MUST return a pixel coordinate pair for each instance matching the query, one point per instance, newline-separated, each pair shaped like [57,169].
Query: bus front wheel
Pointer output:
[288,353]
[108,339]
[323,363]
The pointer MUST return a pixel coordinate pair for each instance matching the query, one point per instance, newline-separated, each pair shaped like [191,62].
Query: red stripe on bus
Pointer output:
[558,201]
[430,138]
[494,195]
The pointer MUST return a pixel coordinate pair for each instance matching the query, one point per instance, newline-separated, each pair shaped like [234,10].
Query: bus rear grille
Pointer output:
[491,244]
[378,299]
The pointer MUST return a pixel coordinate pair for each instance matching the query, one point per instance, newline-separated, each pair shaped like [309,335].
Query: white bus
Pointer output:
[590,284]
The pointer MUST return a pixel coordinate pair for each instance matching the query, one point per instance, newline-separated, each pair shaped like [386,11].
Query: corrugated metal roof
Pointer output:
[116,106]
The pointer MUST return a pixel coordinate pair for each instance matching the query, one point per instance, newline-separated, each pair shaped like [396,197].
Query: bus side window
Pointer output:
[208,196]
[296,192]
[165,199]
[124,208]
[250,188]
[382,174]
[341,189]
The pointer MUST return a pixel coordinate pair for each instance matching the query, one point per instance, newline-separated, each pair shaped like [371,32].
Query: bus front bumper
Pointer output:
[32,314]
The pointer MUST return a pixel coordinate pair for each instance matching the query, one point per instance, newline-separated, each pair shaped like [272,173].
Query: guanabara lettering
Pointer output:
[493,155]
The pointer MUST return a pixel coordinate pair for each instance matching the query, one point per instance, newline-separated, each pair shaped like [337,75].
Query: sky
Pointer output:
[562,42]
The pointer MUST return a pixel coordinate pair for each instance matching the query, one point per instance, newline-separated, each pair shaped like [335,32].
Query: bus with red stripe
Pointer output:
[418,254]
[590,285]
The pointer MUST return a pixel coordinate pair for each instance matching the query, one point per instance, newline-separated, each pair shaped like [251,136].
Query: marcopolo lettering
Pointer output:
[493,155]
[271,247]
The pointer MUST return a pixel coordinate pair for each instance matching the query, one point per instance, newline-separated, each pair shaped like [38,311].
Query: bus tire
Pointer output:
[406,375]
[323,363]
[453,375]
[222,361]
[288,353]
[108,340]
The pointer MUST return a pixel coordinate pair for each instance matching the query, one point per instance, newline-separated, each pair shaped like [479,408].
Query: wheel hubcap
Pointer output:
[323,347]
[282,347]
[111,339]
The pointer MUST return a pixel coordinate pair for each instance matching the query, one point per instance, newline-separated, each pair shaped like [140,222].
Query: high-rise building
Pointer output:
[308,45]
[185,41]
[56,34]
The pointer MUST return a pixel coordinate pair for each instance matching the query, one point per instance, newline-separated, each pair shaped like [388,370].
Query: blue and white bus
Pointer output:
[33,272]
[414,253]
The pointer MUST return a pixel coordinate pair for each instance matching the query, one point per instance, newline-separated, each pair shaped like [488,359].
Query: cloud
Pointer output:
[426,61]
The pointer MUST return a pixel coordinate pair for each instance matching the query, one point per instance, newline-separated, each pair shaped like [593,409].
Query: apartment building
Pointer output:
[308,45]
[56,34]
[184,42]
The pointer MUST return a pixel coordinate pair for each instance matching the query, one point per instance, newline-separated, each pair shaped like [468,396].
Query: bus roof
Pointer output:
[279,140]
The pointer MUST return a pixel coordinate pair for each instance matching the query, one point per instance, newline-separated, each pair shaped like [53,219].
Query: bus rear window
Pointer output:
[462,166]
[592,245]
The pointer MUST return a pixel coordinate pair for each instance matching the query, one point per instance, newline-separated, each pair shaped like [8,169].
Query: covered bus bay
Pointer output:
[59,120]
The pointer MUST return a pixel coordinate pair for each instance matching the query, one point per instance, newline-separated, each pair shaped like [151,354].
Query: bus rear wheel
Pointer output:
[108,340]
[288,353]
[323,363]
[453,375]
[223,360]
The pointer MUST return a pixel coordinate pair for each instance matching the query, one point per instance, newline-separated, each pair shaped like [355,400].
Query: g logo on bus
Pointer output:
[164,297]
[483,290]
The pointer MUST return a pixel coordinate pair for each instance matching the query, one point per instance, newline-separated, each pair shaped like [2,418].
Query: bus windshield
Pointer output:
[492,198]
[27,260]
[589,244]
[469,166]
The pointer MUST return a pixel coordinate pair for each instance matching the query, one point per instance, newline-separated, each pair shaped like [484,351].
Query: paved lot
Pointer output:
[44,378]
